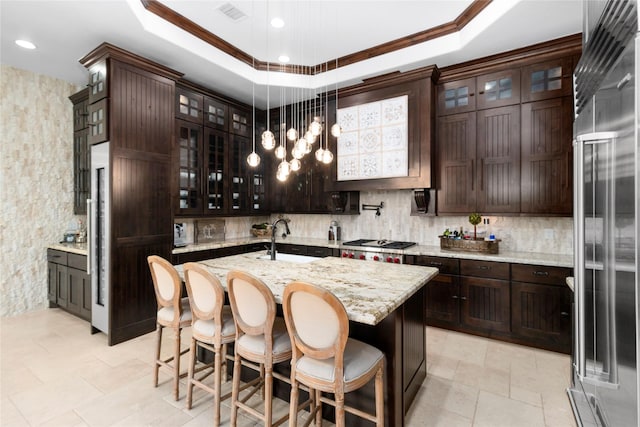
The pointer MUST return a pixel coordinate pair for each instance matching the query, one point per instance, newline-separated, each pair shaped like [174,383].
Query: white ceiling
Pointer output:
[315,32]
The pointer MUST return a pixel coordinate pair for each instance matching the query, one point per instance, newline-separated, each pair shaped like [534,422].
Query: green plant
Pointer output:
[475,219]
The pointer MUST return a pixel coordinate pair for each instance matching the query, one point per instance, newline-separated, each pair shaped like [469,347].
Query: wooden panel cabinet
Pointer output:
[498,160]
[81,151]
[442,293]
[498,89]
[541,306]
[69,285]
[456,162]
[485,303]
[547,159]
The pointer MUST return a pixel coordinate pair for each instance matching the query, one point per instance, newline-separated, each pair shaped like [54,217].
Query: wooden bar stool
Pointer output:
[261,342]
[173,313]
[324,357]
[212,328]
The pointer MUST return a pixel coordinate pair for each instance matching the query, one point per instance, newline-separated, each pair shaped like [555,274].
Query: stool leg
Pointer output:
[192,364]
[268,395]
[176,365]
[380,397]
[293,403]
[217,374]
[318,409]
[234,389]
[339,408]
[156,365]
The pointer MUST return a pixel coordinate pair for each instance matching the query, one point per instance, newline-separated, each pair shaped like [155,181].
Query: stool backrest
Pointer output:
[206,295]
[168,287]
[252,303]
[316,320]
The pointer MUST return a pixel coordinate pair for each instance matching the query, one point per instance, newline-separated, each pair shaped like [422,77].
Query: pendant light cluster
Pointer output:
[305,129]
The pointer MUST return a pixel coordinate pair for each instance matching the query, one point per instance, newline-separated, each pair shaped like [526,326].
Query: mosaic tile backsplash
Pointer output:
[36,180]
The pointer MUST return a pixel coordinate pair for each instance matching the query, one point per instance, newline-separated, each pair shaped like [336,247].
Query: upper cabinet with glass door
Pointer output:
[545,80]
[189,105]
[458,96]
[498,89]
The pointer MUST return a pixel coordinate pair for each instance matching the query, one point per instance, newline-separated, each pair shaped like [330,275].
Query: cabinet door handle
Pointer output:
[471,94]
[463,298]
[540,273]
[472,175]
[455,296]
[564,314]
[484,267]
[437,264]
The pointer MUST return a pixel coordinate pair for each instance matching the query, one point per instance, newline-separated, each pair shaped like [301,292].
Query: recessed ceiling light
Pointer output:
[277,23]
[25,44]
[283,58]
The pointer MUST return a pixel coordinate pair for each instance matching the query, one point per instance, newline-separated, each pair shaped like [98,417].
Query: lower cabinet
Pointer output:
[520,303]
[69,285]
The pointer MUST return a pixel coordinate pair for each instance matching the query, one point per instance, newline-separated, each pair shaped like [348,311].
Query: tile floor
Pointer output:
[55,373]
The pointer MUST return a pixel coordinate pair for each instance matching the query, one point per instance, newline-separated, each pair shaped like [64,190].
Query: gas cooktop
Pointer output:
[382,243]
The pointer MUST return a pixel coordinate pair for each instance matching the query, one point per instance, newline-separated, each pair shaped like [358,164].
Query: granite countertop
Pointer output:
[368,290]
[75,248]
[549,259]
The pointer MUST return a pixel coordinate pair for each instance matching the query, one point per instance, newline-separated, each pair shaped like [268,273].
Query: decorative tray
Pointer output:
[463,245]
[261,232]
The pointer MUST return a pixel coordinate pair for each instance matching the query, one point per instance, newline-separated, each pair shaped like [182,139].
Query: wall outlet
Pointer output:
[548,233]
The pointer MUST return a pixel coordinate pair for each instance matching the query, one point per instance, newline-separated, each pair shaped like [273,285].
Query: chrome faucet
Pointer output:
[273,235]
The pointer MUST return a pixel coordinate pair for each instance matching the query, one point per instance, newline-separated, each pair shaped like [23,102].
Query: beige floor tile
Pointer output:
[55,398]
[54,372]
[499,411]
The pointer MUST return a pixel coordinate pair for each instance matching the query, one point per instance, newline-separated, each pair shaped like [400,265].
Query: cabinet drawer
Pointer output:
[445,265]
[494,270]
[539,274]
[318,251]
[59,257]
[77,261]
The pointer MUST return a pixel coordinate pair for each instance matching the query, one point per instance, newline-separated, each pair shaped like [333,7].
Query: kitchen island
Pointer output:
[385,305]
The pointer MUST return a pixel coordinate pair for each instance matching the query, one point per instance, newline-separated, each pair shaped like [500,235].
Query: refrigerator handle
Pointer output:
[578,256]
[89,212]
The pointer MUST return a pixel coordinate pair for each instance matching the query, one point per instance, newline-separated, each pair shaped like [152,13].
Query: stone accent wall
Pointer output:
[36,182]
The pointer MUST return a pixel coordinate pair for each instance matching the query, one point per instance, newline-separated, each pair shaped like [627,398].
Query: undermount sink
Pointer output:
[300,259]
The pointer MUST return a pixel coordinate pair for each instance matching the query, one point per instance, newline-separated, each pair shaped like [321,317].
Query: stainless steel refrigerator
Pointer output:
[605,379]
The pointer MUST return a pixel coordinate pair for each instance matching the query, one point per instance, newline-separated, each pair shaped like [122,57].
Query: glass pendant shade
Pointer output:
[280,152]
[319,154]
[296,154]
[327,157]
[336,130]
[268,140]
[310,137]
[253,159]
[295,165]
[292,134]
[283,171]
[315,128]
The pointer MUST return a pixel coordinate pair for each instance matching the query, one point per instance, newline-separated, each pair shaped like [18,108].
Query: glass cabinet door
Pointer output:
[189,141]
[457,97]
[216,197]
[239,174]
[546,80]
[498,89]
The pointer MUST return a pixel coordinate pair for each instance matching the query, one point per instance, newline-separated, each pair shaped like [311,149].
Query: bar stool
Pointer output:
[261,342]
[212,329]
[173,313]
[324,357]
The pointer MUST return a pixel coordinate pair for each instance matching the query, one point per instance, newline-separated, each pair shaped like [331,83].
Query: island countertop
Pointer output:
[368,290]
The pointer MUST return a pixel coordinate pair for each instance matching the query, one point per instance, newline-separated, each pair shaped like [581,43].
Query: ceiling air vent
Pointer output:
[232,12]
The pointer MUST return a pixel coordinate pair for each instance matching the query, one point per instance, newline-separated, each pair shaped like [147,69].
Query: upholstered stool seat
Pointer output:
[173,312]
[324,358]
[212,328]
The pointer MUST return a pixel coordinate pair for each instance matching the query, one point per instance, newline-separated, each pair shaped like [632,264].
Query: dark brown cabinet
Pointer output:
[541,305]
[442,293]
[457,97]
[98,122]
[81,151]
[498,89]
[479,161]
[549,79]
[485,295]
[547,159]
[497,180]
[69,285]
[189,163]
[456,162]
[211,152]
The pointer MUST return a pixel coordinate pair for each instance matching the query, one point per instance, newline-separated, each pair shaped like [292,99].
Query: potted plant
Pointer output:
[475,219]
